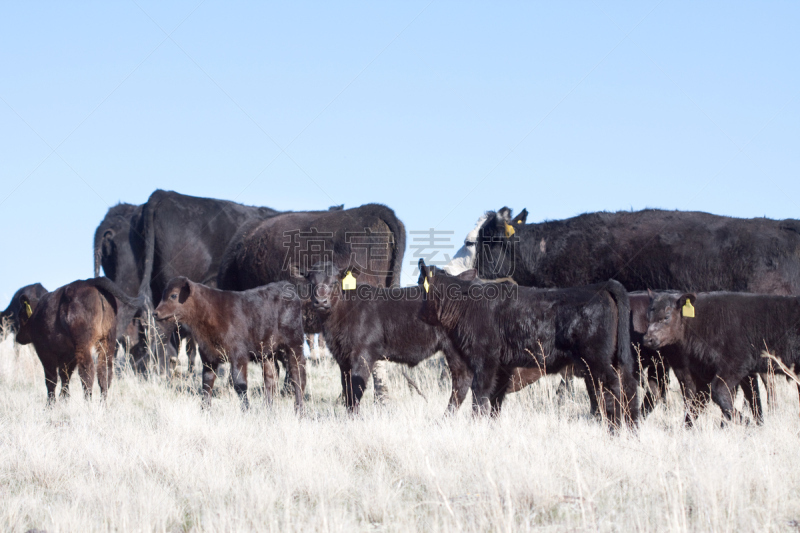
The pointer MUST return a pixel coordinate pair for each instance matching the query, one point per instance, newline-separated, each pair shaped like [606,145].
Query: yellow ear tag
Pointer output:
[349,282]
[426,285]
[509,230]
[688,309]
[519,222]
[28,310]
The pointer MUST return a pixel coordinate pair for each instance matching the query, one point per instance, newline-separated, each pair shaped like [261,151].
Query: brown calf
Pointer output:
[66,325]
[230,326]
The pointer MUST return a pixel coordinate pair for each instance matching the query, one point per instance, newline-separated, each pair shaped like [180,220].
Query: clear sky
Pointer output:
[441,110]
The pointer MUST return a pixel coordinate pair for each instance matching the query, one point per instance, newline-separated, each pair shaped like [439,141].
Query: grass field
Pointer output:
[152,460]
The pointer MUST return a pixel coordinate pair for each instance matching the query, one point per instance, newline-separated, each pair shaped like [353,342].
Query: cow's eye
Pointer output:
[173,297]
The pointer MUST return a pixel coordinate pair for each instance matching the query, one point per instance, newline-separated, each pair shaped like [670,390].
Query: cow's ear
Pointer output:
[353,269]
[186,291]
[686,304]
[468,275]
[505,214]
[423,270]
[520,219]
[25,309]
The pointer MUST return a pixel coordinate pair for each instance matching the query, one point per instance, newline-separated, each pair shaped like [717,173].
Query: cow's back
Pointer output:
[190,235]
[659,250]
[282,247]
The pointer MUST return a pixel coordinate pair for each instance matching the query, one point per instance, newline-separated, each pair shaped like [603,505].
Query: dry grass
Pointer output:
[151,460]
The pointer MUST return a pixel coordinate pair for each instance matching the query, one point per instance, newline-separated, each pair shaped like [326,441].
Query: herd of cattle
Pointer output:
[517,302]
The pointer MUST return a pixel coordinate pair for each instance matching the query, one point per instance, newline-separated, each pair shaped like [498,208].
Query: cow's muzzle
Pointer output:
[651,342]
[321,305]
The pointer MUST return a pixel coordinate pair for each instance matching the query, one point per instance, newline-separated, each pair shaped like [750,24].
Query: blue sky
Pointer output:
[441,110]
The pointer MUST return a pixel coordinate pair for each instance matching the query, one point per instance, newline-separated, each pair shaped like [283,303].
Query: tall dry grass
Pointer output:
[152,460]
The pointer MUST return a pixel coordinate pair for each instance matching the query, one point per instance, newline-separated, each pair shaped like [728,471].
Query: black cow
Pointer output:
[648,364]
[143,247]
[119,250]
[650,249]
[366,324]
[498,327]
[187,236]
[11,314]
[719,339]
[370,237]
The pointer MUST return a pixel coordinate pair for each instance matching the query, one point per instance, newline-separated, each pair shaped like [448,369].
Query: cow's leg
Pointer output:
[347,389]
[209,375]
[769,383]
[85,370]
[270,372]
[695,403]
[191,353]
[296,371]
[752,393]
[65,373]
[630,399]
[482,386]
[502,383]
[722,391]
[357,380]
[50,381]
[593,390]
[353,387]
[461,376]
[239,377]
[105,365]
[609,384]
[288,387]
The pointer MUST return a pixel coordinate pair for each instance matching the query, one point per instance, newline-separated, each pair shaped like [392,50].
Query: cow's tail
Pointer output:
[105,284]
[97,252]
[624,356]
[148,211]
[399,248]
[96,260]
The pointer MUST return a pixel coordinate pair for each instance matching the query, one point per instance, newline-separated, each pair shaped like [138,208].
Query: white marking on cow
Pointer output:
[543,246]
[465,256]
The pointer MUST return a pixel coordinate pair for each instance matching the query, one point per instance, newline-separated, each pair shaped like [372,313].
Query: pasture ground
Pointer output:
[152,460]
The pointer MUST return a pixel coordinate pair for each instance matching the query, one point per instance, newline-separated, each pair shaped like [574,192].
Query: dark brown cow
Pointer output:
[369,237]
[718,339]
[647,363]
[500,327]
[67,324]
[369,324]
[265,323]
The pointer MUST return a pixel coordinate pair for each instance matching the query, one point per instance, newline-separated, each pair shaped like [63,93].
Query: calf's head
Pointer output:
[440,291]
[176,301]
[27,309]
[326,282]
[665,318]
[21,307]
